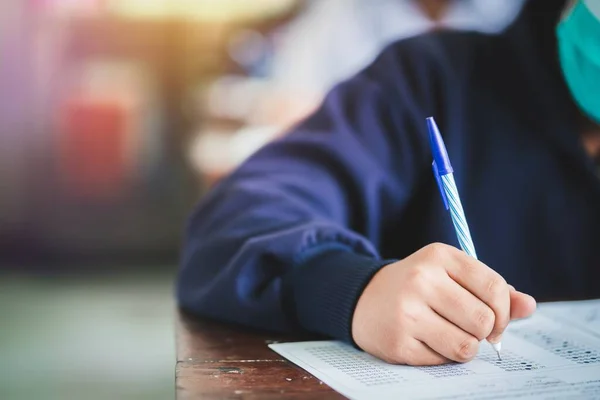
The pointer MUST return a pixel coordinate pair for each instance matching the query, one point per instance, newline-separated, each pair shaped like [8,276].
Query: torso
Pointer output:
[531,198]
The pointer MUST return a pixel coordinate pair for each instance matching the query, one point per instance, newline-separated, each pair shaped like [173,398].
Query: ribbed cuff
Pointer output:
[326,290]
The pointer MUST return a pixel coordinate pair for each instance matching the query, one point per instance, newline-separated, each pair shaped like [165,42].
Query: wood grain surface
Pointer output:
[220,361]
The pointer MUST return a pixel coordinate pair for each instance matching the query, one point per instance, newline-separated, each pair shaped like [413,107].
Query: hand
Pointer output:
[434,307]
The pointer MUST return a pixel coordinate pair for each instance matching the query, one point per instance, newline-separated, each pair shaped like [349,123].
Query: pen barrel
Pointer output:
[458,215]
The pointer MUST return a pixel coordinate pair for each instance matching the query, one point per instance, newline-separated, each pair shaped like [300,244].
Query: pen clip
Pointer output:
[438,179]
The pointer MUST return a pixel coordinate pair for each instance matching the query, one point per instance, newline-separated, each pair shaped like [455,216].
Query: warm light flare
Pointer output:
[199,9]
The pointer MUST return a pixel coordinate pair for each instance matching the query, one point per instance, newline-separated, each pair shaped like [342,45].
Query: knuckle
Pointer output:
[485,320]
[418,277]
[466,350]
[496,286]
[436,250]
[409,314]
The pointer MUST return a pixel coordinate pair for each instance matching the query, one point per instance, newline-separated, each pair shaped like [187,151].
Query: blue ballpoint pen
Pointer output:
[443,172]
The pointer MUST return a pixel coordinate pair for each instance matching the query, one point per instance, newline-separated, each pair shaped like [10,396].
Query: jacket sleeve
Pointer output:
[290,239]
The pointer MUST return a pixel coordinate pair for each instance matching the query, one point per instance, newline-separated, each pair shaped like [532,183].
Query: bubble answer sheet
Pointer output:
[555,354]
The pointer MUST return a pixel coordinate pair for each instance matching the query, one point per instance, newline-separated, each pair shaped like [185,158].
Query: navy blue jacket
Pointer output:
[289,241]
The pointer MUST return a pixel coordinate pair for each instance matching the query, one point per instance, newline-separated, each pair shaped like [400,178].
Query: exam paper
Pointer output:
[547,356]
[584,314]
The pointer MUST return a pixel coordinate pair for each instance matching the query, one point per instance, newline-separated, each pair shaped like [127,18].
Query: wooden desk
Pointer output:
[218,361]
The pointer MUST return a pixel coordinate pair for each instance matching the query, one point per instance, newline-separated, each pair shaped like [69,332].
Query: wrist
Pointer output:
[327,287]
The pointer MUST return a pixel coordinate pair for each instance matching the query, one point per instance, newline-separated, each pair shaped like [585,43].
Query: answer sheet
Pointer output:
[553,355]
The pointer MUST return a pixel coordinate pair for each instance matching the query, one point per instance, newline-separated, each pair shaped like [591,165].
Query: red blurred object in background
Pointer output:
[94,161]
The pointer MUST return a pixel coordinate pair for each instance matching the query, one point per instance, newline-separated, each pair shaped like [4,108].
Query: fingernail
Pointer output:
[533,301]
[494,339]
[512,288]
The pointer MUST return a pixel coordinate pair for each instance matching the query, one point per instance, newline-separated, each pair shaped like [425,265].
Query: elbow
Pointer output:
[196,276]
[188,287]
[205,285]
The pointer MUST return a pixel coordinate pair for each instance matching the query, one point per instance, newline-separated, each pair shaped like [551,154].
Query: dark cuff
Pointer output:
[327,287]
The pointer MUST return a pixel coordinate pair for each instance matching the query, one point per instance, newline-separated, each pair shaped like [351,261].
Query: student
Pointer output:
[330,229]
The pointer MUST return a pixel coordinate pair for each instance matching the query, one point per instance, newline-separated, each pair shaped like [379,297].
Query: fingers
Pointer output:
[433,307]
[521,305]
[416,353]
[462,308]
[483,282]
[447,339]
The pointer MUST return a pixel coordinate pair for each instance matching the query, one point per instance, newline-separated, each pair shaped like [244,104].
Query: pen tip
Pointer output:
[497,347]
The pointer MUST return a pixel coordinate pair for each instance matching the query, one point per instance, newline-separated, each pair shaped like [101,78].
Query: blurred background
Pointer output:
[115,117]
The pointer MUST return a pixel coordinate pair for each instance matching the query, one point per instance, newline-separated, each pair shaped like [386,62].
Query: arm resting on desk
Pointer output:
[290,240]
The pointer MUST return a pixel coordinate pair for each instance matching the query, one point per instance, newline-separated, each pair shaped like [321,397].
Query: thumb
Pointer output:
[521,305]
